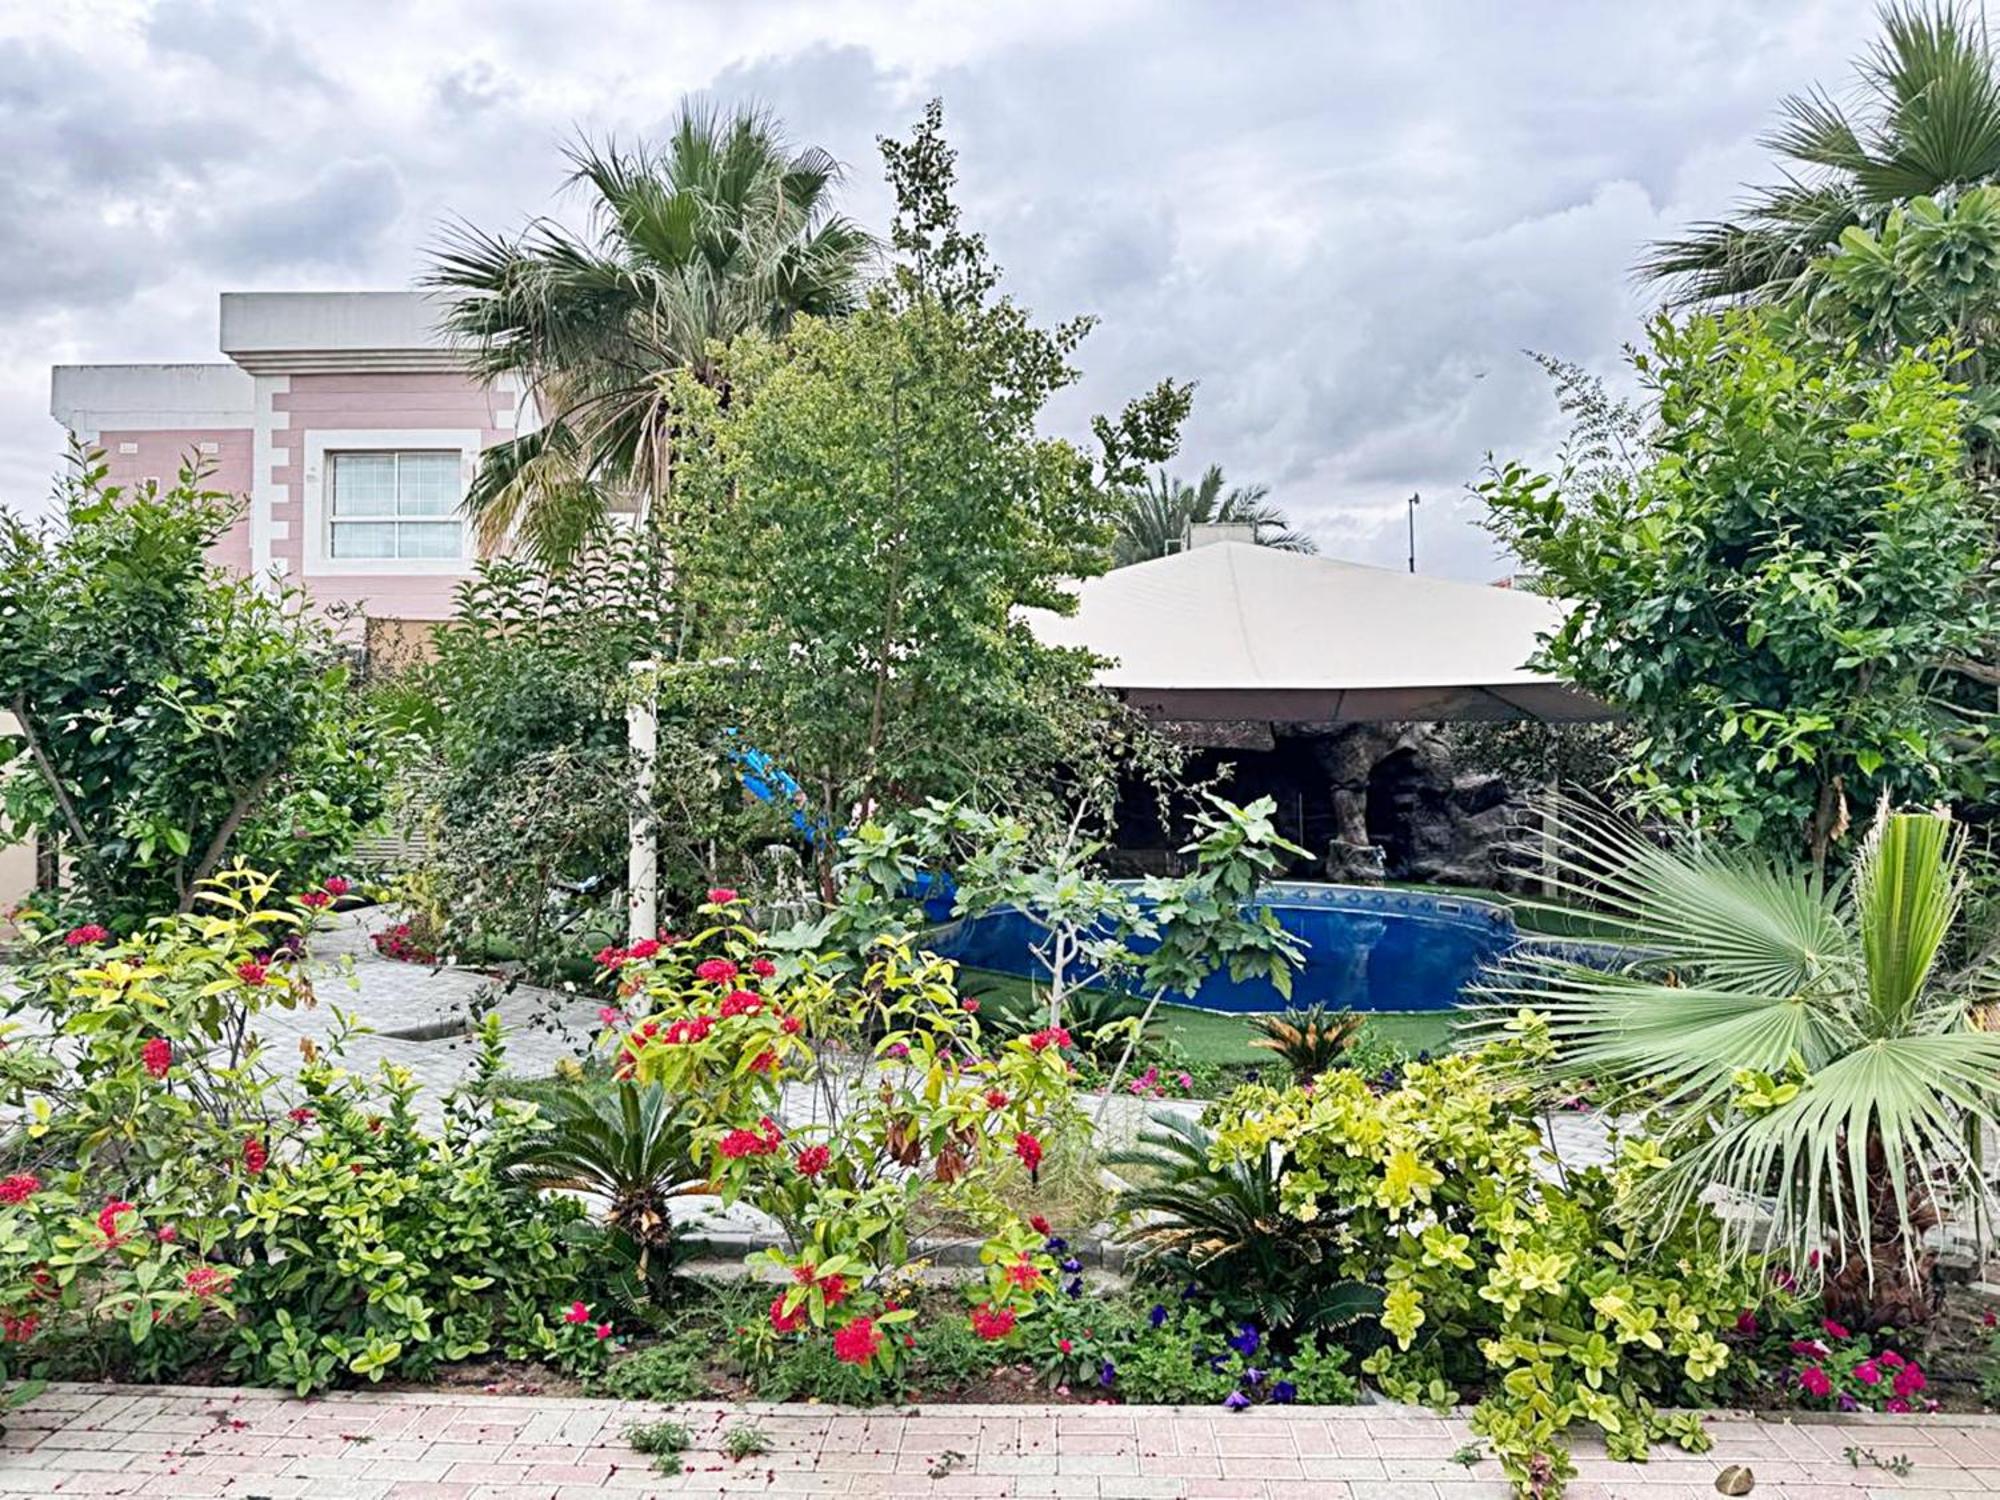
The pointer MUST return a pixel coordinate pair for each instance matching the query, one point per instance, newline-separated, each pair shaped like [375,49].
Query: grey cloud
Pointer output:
[1345,221]
[335,220]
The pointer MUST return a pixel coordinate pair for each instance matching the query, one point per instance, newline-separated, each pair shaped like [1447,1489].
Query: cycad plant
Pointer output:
[1309,1040]
[1225,1228]
[626,1145]
[1801,1041]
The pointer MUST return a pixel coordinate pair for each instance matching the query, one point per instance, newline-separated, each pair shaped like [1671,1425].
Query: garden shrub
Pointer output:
[173,719]
[1529,1288]
[915,1118]
[169,1205]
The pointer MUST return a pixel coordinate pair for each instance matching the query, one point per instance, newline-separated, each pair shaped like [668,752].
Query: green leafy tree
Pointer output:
[171,718]
[724,229]
[1156,517]
[1803,1041]
[1768,599]
[1927,124]
[865,513]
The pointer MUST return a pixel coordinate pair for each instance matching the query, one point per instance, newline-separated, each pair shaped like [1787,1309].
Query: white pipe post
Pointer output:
[642,869]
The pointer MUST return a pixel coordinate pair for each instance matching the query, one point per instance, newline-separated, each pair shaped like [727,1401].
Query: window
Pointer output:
[394,505]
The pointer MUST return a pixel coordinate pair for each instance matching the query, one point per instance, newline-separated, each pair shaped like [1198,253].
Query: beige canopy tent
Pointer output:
[1231,631]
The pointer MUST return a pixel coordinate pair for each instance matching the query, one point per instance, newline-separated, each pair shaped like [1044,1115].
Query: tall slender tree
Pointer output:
[1926,122]
[1157,516]
[723,229]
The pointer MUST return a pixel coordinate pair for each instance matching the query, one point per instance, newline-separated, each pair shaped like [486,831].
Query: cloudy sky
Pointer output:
[1346,221]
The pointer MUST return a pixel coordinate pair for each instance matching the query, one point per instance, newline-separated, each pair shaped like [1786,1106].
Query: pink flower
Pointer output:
[990,1322]
[1815,1380]
[1889,1359]
[740,1003]
[208,1281]
[969,1005]
[610,958]
[1834,1330]
[1186,1081]
[1812,1347]
[1029,1149]
[315,899]
[579,1313]
[1868,1373]
[107,1221]
[1896,1404]
[610,1015]
[1909,1380]
[791,1026]
[644,948]
[19,1188]
[603,1331]
[1746,1324]
[786,1322]
[813,1160]
[763,1141]
[251,972]
[857,1343]
[158,1056]
[715,970]
[763,968]
[1065,1345]
[722,895]
[336,885]
[86,935]
[899,1050]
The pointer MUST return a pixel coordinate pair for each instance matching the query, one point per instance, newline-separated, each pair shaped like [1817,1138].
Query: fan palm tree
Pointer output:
[1927,123]
[723,230]
[1801,1039]
[1156,518]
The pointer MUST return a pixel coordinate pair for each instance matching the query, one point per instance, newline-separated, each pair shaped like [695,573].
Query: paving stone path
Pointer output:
[99,1440]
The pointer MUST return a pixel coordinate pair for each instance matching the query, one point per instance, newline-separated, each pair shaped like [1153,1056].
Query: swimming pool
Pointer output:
[1367,948]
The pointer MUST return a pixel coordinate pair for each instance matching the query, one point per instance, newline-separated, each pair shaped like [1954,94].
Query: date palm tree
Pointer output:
[1802,1040]
[1157,517]
[722,230]
[1926,123]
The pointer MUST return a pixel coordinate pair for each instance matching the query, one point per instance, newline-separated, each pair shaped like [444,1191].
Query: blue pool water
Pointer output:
[1366,948]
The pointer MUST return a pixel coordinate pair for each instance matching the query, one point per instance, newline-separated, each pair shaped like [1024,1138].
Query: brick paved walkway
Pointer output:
[79,1440]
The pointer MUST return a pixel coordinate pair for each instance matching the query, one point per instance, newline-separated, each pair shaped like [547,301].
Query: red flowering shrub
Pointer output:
[410,942]
[1841,1370]
[710,1020]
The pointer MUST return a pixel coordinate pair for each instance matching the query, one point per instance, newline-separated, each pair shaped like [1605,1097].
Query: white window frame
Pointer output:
[318,486]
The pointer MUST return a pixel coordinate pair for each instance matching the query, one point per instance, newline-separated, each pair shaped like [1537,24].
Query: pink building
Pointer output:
[345,422]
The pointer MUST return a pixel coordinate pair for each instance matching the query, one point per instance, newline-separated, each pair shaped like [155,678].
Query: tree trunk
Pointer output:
[1884,1282]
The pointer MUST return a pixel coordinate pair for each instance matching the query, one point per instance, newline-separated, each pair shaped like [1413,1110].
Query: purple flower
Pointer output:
[1284,1393]
[1847,1403]
[1074,1288]
[1190,1292]
[1253,1377]
[1107,1374]
[1055,1245]
[1158,1316]
[1072,1265]
[1246,1342]
[1236,1401]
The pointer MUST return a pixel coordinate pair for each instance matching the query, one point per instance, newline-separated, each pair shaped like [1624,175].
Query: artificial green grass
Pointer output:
[1221,1038]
